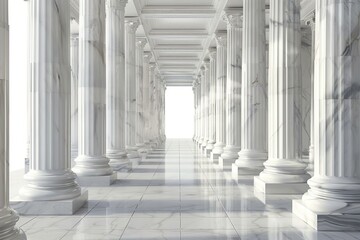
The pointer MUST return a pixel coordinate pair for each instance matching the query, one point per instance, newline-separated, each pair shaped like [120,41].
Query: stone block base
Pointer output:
[96,181]
[225,164]
[326,222]
[62,207]
[214,158]
[279,188]
[134,162]
[237,171]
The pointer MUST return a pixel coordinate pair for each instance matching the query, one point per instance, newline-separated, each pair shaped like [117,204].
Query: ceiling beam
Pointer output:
[165,11]
[179,33]
[183,48]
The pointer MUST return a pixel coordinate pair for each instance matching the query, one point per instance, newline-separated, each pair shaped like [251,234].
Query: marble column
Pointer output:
[202,98]
[146,98]
[220,96]
[212,102]
[115,84]
[139,59]
[50,181]
[198,109]
[333,200]
[131,26]
[74,62]
[311,22]
[92,165]
[284,171]
[205,102]
[233,89]
[194,85]
[8,217]
[253,91]
[206,82]
[152,73]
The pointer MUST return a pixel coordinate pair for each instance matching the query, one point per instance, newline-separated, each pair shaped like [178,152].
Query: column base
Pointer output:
[8,220]
[225,164]
[237,171]
[207,152]
[326,221]
[59,207]
[214,157]
[279,188]
[96,181]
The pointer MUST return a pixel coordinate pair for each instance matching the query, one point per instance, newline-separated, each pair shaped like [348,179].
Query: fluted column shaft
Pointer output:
[131,26]
[146,98]
[115,83]
[50,177]
[92,89]
[254,89]
[199,111]
[202,114]
[74,52]
[221,68]
[212,101]
[233,86]
[152,73]
[8,217]
[206,80]
[140,44]
[335,187]
[284,135]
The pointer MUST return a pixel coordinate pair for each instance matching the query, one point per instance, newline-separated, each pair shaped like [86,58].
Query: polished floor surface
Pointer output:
[177,194]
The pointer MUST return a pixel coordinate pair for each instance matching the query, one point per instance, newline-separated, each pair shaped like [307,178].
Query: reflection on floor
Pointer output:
[177,194]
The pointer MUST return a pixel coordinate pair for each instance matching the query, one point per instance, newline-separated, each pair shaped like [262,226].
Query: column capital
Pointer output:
[212,53]
[117,4]
[152,66]
[221,38]
[133,23]
[309,20]
[141,42]
[233,17]
[206,64]
[147,56]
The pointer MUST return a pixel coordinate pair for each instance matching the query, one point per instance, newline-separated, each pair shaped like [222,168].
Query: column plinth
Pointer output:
[333,200]
[284,171]
[254,91]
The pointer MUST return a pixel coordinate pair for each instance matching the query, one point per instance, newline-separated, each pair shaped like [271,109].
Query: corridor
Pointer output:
[175,193]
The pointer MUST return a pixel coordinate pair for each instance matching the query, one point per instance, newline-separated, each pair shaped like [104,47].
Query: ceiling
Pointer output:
[180,32]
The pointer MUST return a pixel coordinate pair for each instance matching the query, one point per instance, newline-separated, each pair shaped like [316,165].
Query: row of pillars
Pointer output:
[250,116]
[95,97]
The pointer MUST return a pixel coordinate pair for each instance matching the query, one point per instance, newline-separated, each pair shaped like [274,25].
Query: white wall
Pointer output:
[179,111]
[18,21]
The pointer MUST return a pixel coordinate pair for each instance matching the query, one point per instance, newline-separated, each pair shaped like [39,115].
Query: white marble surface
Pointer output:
[233,85]
[220,95]
[115,84]
[253,90]
[334,189]
[177,194]
[50,177]
[284,163]
[131,25]
[92,160]
[8,218]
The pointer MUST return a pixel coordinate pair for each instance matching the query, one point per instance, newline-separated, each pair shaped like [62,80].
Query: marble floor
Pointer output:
[175,193]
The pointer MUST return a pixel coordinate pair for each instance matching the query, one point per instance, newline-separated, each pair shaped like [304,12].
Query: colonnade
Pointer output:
[89,98]
[287,145]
